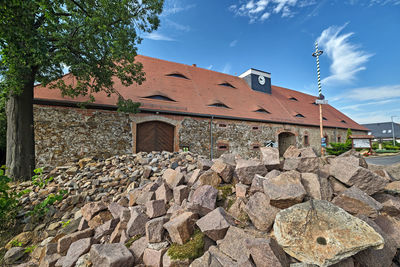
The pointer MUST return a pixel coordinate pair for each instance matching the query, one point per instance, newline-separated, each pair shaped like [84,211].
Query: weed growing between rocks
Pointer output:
[192,249]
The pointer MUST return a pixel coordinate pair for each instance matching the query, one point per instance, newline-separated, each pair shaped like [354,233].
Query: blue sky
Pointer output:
[360,67]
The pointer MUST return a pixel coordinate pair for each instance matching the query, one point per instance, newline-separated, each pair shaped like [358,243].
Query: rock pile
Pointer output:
[178,209]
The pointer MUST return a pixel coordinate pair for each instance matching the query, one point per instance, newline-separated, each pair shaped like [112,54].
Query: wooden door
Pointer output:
[154,136]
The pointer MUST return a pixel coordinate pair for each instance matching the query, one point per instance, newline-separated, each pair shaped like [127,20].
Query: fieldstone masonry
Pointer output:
[65,134]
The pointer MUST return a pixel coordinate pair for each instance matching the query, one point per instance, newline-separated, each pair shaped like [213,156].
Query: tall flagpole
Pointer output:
[316,54]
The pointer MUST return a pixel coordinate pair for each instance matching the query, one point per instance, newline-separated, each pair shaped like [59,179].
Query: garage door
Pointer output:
[154,136]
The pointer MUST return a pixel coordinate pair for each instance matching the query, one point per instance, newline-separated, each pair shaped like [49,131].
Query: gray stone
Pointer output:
[194,177]
[204,164]
[164,192]
[272,174]
[260,212]
[309,164]
[209,178]
[110,255]
[292,152]
[105,229]
[155,229]
[65,242]
[391,226]
[137,248]
[224,170]
[155,208]
[356,202]
[246,169]
[136,224]
[318,232]
[234,243]
[14,254]
[173,178]
[285,190]
[257,185]
[180,228]
[266,252]
[181,192]
[116,209]
[390,204]
[352,175]
[241,190]
[77,249]
[270,156]
[50,260]
[153,258]
[204,199]
[91,209]
[307,152]
[215,224]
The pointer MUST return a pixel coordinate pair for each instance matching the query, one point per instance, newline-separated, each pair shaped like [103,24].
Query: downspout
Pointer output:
[211,139]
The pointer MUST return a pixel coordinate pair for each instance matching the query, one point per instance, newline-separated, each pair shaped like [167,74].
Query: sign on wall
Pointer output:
[361,143]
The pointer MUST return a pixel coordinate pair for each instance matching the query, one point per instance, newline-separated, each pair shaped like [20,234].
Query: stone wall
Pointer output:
[66,134]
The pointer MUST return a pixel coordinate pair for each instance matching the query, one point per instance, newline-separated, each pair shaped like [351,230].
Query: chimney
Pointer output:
[194,65]
[257,80]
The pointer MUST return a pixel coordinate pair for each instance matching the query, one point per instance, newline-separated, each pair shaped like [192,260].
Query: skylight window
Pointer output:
[226,84]
[325,119]
[293,99]
[159,97]
[261,110]
[299,115]
[218,105]
[343,121]
[178,75]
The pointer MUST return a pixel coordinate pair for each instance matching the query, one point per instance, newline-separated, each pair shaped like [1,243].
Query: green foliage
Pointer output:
[39,180]
[133,239]
[41,209]
[65,224]
[96,40]
[338,148]
[16,243]
[192,249]
[30,249]
[224,191]
[8,201]
[386,151]
[127,106]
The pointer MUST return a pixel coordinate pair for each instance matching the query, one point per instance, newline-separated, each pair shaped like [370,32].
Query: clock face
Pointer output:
[261,80]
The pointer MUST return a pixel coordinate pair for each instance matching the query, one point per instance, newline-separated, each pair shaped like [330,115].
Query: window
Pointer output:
[383,131]
[339,139]
[219,105]
[325,119]
[178,75]
[369,133]
[222,146]
[343,121]
[293,99]
[389,131]
[226,84]
[306,141]
[221,125]
[261,110]
[299,115]
[255,128]
[159,97]
[255,146]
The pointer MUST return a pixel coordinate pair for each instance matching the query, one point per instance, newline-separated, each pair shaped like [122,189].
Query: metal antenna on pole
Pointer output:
[316,54]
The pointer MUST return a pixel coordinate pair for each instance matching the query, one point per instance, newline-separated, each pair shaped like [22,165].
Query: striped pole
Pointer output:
[316,54]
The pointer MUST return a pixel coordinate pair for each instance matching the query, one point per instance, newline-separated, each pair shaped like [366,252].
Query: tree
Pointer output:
[96,39]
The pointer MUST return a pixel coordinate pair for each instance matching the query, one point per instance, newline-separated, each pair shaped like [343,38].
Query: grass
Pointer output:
[226,190]
[192,249]
[133,239]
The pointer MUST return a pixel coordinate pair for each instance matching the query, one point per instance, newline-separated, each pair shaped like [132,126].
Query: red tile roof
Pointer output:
[202,88]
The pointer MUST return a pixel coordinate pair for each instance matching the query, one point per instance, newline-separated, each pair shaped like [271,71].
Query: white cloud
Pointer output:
[172,7]
[177,26]
[375,2]
[260,10]
[233,43]
[374,93]
[157,37]
[347,58]
[210,67]
[227,68]
[369,104]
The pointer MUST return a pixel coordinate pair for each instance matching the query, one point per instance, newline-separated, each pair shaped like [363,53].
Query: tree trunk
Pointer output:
[20,158]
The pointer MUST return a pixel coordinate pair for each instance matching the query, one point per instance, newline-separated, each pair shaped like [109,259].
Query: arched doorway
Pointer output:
[154,136]
[286,139]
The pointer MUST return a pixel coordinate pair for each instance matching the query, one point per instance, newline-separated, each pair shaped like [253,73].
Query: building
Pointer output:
[383,131]
[184,106]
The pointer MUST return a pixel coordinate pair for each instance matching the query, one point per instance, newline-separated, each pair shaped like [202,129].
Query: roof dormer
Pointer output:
[258,80]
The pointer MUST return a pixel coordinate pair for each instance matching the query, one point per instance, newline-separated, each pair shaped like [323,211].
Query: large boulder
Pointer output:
[309,164]
[318,232]
[260,212]
[203,199]
[266,252]
[356,202]
[307,152]
[234,243]
[173,178]
[246,169]
[270,157]
[354,175]
[390,204]
[292,152]
[209,177]
[285,190]
[181,227]
[224,170]
[110,255]
[77,249]
[215,224]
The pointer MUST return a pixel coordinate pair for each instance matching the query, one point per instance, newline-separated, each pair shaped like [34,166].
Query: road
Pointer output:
[388,160]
